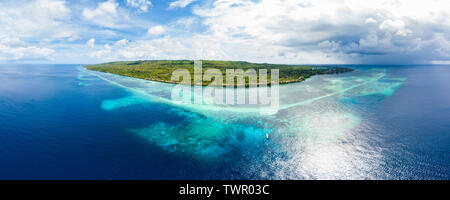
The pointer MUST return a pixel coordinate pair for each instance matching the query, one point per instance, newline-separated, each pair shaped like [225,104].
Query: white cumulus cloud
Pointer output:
[342,30]
[91,43]
[105,14]
[180,3]
[288,31]
[121,42]
[16,49]
[397,26]
[156,30]
[142,5]
[370,20]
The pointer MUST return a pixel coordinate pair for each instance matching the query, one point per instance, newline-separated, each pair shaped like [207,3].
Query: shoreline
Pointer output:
[224,85]
[160,71]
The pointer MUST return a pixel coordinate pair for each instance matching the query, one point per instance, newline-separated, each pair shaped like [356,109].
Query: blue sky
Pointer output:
[284,31]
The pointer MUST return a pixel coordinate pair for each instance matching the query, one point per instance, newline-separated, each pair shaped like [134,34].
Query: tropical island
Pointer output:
[161,70]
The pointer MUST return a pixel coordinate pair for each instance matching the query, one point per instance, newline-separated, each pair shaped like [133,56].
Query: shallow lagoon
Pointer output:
[379,122]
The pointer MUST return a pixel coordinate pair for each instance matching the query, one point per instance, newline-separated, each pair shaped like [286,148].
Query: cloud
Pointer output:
[37,19]
[25,29]
[105,14]
[16,49]
[288,31]
[104,9]
[101,53]
[204,47]
[121,42]
[91,43]
[370,20]
[397,26]
[348,31]
[142,5]
[56,9]
[180,3]
[156,30]
[441,62]
[311,32]
[68,35]
[110,15]
[185,22]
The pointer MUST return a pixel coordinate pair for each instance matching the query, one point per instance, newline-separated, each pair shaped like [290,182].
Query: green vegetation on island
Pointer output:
[161,70]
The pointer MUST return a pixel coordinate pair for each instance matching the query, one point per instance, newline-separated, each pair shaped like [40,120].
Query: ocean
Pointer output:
[378,122]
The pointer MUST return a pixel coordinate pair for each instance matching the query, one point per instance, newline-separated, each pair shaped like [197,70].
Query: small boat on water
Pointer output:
[267,135]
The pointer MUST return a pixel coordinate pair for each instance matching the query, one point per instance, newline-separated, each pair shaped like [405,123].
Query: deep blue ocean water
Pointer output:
[60,122]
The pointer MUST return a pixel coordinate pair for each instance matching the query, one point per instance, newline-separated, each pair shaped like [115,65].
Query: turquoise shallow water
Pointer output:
[314,120]
[377,122]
